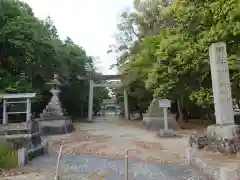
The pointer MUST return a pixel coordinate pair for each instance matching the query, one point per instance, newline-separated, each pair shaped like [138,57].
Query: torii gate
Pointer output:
[92,85]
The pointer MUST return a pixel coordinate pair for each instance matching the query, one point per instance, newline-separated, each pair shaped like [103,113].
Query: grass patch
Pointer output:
[8,156]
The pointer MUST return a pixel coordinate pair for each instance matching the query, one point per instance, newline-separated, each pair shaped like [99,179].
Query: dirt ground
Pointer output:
[112,140]
[112,137]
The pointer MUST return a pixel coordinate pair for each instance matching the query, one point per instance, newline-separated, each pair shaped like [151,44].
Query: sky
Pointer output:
[89,23]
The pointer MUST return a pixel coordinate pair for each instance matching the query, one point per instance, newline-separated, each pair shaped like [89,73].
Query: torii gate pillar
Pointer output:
[90,101]
[126,104]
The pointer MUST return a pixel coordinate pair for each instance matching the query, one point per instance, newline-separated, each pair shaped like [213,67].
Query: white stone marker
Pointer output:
[165,104]
[221,84]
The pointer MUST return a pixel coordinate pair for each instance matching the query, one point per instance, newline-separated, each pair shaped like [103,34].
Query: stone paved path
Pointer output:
[82,167]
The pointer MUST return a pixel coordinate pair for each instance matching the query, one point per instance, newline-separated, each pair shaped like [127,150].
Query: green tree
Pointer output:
[168,53]
[31,52]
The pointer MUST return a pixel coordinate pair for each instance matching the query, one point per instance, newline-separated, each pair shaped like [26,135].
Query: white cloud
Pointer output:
[90,23]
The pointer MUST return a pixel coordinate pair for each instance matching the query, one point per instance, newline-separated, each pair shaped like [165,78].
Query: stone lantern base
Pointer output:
[55,125]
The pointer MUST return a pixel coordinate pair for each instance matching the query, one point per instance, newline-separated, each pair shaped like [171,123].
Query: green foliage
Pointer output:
[169,53]
[8,156]
[203,98]
[31,52]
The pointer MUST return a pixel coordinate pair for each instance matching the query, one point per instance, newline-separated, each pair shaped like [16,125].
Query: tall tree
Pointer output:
[168,51]
[31,52]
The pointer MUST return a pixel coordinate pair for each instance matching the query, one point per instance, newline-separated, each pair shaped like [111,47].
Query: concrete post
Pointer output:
[126,166]
[126,110]
[22,154]
[58,164]
[90,101]
[5,118]
[165,118]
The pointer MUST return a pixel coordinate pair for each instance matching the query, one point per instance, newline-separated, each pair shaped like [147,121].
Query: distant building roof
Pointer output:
[98,76]
[17,95]
[109,101]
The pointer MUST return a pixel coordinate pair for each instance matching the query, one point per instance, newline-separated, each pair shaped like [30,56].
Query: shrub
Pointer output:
[8,156]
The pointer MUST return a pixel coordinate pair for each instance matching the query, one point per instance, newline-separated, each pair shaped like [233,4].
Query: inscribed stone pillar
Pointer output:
[225,130]
[221,84]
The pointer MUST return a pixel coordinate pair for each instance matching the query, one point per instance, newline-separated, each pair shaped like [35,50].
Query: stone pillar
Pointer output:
[126,110]
[225,129]
[5,117]
[90,101]
[28,113]
[221,84]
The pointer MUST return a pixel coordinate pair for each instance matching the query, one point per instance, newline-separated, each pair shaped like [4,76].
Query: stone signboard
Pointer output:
[164,103]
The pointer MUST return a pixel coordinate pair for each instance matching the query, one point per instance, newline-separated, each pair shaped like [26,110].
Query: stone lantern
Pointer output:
[52,120]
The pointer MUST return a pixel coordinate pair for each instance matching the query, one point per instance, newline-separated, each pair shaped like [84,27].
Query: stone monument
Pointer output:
[225,133]
[154,118]
[224,136]
[53,120]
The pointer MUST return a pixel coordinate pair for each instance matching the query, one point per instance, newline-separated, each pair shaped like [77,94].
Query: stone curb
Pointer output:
[215,173]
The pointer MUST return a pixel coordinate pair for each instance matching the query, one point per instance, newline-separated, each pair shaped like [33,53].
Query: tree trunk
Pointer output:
[129,115]
[180,118]
[187,112]
[179,106]
[207,116]
[213,120]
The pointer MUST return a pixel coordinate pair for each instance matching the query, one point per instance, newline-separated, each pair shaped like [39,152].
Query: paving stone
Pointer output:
[81,167]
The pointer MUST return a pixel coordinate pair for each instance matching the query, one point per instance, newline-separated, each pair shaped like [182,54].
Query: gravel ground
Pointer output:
[109,139]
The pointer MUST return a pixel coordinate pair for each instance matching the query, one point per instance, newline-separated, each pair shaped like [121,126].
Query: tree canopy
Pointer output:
[163,50]
[32,51]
